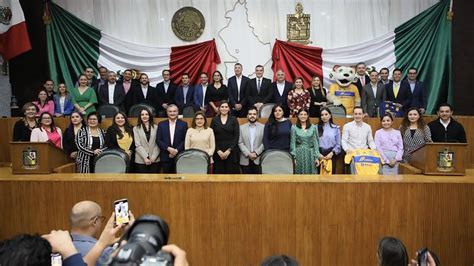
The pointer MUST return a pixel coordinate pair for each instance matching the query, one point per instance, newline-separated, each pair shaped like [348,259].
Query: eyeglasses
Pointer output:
[99,218]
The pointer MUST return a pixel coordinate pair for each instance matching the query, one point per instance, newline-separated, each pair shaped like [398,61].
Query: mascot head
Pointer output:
[343,75]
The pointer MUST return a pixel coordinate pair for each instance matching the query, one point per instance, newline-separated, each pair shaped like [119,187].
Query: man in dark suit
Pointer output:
[236,86]
[373,95]
[184,94]
[397,91]
[166,92]
[144,93]
[200,93]
[417,90]
[258,90]
[281,88]
[362,77]
[128,82]
[112,92]
[170,137]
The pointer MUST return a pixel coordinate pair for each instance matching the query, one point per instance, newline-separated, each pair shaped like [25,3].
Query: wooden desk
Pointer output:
[239,220]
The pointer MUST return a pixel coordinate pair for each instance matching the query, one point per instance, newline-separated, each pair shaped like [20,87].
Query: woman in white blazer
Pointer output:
[47,131]
[146,150]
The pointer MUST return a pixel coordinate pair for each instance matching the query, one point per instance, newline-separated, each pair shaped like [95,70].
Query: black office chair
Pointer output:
[188,112]
[277,162]
[108,110]
[111,161]
[137,108]
[192,161]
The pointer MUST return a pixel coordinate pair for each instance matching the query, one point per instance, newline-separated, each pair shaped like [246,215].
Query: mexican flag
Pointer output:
[14,38]
[423,42]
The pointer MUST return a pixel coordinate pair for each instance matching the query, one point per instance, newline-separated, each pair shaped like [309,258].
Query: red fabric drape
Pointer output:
[297,60]
[193,59]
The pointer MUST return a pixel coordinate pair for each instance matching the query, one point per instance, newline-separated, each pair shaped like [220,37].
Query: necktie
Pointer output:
[395,89]
[258,85]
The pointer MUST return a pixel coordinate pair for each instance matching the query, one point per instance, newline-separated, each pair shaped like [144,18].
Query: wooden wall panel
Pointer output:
[228,222]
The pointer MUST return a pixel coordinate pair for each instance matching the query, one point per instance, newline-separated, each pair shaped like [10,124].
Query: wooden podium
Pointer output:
[36,157]
[441,158]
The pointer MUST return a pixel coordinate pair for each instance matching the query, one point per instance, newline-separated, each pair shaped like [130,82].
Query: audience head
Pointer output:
[358,114]
[259,71]
[217,76]
[397,74]
[303,118]
[82,80]
[280,260]
[360,68]
[88,73]
[49,85]
[166,74]
[299,83]
[204,78]
[252,114]
[280,76]
[62,89]
[29,110]
[42,96]
[224,108]
[412,73]
[185,79]
[103,72]
[172,112]
[392,252]
[23,250]
[384,73]
[199,120]
[76,119]
[445,111]
[93,120]
[145,117]
[374,76]
[144,79]
[112,77]
[238,69]
[127,75]
[316,82]
[86,218]
[412,116]
[46,120]
[387,120]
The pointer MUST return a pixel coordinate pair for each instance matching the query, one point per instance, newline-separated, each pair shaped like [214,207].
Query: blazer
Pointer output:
[179,97]
[136,96]
[403,96]
[166,97]
[282,99]
[198,96]
[371,101]
[234,95]
[145,148]
[418,96]
[48,107]
[68,105]
[111,139]
[119,95]
[359,84]
[244,142]
[164,141]
[265,95]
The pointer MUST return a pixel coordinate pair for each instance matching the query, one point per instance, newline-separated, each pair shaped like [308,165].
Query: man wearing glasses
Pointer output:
[417,90]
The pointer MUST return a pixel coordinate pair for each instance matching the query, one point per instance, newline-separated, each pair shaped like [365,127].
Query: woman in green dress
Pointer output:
[304,144]
[84,97]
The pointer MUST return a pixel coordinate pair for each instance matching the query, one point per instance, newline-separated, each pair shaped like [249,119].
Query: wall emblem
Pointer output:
[188,23]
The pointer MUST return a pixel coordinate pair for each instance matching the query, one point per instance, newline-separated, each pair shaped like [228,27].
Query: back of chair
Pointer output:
[337,110]
[266,110]
[277,162]
[108,110]
[137,108]
[188,112]
[111,161]
[192,161]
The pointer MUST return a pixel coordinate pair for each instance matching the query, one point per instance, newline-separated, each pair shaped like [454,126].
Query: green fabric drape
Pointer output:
[424,42]
[72,45]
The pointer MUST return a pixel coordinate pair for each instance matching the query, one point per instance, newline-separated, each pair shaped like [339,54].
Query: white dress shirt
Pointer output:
[111,93]
[281,87]
[172,129]
[145,90]
[357,136]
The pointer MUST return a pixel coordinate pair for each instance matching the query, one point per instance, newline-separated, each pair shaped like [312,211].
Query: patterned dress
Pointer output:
[298,100]
[85,154]
[411,143]
[304,146]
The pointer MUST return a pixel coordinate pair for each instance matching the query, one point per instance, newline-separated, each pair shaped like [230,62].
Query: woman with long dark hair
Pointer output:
[146,148]
[276,134]
[216,93]
[47,131]
[415,132]
[43,103]
[329,137]
[304,144]
[23,127]
[90,141]
[298,98]
[120,135]
[76,122]
[389,144]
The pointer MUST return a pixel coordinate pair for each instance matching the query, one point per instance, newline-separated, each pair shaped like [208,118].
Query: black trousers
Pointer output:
[153,168]
[168,167]
[228,166]
[251,169]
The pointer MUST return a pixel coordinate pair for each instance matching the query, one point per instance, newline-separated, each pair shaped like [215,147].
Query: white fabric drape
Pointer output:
[245,31]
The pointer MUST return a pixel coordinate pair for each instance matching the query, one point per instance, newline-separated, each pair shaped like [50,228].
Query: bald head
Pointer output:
[82,212]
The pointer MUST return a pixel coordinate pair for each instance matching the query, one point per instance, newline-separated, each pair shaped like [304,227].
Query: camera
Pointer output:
[144,241]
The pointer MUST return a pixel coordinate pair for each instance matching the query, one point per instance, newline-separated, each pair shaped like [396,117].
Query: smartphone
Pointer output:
[56,260]
[422,258]
[121,212]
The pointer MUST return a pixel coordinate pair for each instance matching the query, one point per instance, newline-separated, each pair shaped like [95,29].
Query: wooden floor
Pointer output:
[239,220]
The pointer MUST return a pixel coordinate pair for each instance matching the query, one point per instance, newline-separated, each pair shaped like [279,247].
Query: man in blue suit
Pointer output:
[200,101]
[236,86]
[417,90]
[170,138]
[185,93]
[397,91]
